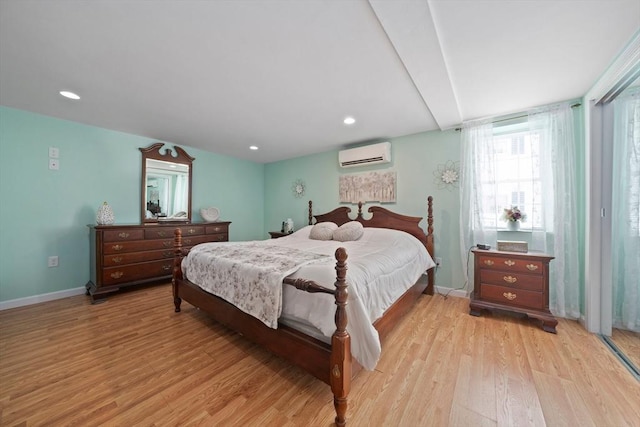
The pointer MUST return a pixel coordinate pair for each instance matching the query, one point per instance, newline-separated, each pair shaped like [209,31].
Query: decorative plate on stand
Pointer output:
[210,214]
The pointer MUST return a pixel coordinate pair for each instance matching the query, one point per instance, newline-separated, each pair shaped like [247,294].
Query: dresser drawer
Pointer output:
[133,272]
[192,241]
[512,279]
[168,232]
[511,264]
[511,296]
[218,228]
[123,235]
[137,246]
[134,257]
[215,238]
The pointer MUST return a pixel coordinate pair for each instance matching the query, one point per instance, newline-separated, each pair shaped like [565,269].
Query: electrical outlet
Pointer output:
[54,164]
[53,261]
[54,152]
[438,261]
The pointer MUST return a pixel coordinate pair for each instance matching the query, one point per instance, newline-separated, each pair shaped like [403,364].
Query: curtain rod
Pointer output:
[516,117]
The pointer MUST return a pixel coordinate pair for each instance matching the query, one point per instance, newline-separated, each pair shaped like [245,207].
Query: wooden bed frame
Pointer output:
[331,363]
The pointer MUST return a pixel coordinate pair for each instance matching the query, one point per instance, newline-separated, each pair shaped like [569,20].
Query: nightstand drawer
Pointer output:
[511,264]
[511,296]
[511,279]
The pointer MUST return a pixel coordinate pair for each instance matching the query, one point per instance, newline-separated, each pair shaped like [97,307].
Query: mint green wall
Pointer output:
[415,158]
[45,212]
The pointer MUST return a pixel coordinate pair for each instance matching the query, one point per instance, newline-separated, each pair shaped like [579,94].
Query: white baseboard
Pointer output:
[458,293]
[36,299]
[21,302]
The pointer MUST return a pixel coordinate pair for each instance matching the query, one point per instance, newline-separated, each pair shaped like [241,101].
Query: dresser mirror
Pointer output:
[166,184]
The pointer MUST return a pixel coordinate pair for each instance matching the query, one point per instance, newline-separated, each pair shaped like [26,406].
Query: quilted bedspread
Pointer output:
[249,275]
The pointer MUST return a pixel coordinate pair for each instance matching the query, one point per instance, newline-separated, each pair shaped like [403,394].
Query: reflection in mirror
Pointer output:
[166,184]
[167,187]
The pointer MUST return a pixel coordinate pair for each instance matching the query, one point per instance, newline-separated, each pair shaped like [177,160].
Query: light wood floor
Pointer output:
[133,361]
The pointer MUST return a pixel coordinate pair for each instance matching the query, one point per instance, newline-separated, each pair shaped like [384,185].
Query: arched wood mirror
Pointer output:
[166,184]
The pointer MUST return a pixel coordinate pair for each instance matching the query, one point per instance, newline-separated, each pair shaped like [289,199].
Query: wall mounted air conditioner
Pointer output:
[367,155]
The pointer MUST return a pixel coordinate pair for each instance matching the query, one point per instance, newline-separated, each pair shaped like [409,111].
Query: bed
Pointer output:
[327,358]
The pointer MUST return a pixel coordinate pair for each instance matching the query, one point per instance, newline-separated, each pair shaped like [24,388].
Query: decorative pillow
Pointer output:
[352,230]
[323,231]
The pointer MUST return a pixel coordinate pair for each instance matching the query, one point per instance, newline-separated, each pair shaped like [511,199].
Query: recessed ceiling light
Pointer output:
[69,95]
[349,120]
[253,147]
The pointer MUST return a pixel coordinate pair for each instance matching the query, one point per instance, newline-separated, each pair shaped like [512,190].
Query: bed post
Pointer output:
[431,274]
[340,362]
[177,271]
[310,214]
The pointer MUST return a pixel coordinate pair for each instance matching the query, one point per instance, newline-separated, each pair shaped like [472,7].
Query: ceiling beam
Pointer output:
[412,32]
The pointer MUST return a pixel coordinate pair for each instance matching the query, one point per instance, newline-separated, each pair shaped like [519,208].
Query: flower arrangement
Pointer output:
[513,214]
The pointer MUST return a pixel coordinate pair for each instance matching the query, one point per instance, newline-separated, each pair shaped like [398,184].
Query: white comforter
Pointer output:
[382,265]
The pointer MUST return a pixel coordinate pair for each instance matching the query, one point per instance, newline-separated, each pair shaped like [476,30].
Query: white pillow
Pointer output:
[352,230]
[323,231]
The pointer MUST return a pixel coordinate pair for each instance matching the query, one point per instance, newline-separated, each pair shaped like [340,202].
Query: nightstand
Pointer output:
[513,281]
[277,234]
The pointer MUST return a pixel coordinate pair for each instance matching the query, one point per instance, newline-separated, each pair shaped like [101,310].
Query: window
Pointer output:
[516,157]
[532,162]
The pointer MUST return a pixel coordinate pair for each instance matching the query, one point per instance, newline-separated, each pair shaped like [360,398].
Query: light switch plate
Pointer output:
[54,152]
[54,164]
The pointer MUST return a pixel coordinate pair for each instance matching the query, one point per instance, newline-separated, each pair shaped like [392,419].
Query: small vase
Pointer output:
[288,226]
[105,215]
[513,225]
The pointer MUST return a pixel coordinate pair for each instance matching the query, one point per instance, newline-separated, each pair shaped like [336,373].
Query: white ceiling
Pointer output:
[282,75]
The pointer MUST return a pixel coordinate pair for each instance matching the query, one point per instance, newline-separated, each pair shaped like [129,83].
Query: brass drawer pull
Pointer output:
[117,259]
[217,229]
[123,235]
[488,262]
[191,231]
[166,267]
[532,267]
[161,233]
[117,247]
[186,242]
[117,274]
[510,263]
[509,296]
[510,279]
[167,254]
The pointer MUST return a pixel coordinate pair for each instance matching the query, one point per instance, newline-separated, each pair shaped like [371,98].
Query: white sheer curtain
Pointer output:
[478,202]
[626,211]
[180,197]
[558,233]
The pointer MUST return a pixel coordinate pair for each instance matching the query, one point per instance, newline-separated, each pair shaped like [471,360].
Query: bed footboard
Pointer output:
[332,365]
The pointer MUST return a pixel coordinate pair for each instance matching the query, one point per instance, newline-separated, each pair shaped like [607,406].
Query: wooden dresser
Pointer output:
[125,255]
[517,282]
